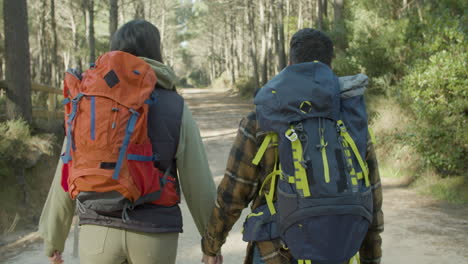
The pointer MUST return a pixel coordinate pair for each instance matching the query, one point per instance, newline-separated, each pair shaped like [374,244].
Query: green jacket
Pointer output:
[195,178]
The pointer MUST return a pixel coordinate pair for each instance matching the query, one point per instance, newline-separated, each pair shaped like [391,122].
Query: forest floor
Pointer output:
[418,229]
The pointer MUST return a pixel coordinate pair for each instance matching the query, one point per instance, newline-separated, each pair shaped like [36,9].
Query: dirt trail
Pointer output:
[418,230]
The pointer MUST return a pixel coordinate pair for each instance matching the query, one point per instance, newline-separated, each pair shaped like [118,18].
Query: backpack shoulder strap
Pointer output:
[270,137]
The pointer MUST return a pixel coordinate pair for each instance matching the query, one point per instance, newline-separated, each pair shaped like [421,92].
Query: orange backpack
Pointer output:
[108,150]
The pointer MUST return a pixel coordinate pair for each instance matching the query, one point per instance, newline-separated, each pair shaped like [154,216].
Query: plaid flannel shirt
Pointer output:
[241,184]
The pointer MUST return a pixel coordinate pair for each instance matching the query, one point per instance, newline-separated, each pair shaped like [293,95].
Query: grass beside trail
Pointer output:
[399,160]
[453,189]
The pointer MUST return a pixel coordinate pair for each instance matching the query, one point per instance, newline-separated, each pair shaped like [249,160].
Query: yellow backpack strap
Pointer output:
[261,151]
[269,197]
[371,135]
[300,174]
[271,178]
[347,137]
[355,260]
[254,214]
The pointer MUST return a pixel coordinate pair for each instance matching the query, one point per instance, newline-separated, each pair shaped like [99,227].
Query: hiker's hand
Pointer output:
[212,260]
[56,258]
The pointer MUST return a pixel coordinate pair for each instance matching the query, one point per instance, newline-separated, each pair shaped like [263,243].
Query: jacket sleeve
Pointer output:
[371,249]
[57,215]
[236,190]
[194,172]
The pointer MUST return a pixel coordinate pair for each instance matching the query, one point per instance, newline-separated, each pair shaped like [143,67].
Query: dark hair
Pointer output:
[140,38]
[309,45]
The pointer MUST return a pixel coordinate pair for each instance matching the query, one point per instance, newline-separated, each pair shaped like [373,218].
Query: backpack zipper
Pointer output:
[323,148]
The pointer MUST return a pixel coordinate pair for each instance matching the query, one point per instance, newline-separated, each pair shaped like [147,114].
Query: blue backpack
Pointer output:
[321,182]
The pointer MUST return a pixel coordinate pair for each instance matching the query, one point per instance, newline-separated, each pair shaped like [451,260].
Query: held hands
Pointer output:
[212,260]
[56,258]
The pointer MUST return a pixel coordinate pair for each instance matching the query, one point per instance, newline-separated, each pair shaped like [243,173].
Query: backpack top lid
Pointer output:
[299,92]
[353,85]
[121,77]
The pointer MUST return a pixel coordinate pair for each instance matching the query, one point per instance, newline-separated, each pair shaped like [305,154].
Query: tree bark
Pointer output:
[162,29]
[300,20]
[55,64]
[139,10]
[263,53]
[325,7]
[280,48]
[339,25]
[44,67]
[77,61]
[253,41]
[319,15]
[89,8]
[18,73]
[113,17]
[234,55]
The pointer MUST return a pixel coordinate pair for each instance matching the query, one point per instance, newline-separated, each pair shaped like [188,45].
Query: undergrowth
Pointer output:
[399,157]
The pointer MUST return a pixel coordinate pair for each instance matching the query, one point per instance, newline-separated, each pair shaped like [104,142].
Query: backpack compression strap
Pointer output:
[128,134]
[300,176]
[349,140]
[70,143]
[371,135]
[272,177]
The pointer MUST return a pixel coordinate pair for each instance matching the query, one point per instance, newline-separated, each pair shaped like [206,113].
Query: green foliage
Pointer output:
[376,43]
[454,189]
[198,78]
[25,172]
[17,146]
[435,87]
[246,86]
[437,90]
[417,55]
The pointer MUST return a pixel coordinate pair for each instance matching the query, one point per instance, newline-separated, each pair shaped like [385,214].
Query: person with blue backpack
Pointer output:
[305,161]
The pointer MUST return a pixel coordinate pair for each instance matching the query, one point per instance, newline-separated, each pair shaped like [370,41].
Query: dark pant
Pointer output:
[257,258]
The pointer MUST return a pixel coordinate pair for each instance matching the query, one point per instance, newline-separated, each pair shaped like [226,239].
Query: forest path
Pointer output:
[418,230]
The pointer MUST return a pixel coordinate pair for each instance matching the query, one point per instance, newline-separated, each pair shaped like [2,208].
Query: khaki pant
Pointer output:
[107,245]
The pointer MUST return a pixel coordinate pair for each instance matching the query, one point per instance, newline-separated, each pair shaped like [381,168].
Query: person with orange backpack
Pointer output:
[131,146]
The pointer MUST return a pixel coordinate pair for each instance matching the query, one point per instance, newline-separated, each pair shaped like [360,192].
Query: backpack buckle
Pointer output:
[341,127]
[291,135]
[134,112]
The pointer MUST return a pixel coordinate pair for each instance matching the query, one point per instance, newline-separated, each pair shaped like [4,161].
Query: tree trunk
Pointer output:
[44,67]
[89,7]
[139,10]
[263,52]
[325,7]
[162,29]
[122,11]
[2,56]
[113,17]
[253,41]
[18,73]
[1,67]
[235,57]
[319,15]
[339,25]
[288,13]
[300,19]
[280,38]
[311,13]
[226,50]
[76,39]
[55,65]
